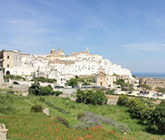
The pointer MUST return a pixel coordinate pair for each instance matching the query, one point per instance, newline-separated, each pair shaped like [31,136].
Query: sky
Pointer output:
[127,32]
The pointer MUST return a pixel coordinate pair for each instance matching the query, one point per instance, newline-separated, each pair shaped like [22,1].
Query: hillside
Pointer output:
[22,124]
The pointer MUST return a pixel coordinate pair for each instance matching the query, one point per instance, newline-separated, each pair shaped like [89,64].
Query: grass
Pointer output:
[22,124]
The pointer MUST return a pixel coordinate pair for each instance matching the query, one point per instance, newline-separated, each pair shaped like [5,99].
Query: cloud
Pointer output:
[145,46]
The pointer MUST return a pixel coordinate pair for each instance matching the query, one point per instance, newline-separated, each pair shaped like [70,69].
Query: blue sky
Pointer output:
[127,32]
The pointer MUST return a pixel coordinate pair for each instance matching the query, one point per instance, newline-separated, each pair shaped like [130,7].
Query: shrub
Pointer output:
[41,99]
[13,77]
[36,89]
[110,91]
[72,82]
[63,121]
[80,115]
[91,97]
[92,119]
[44,80]
[123,100]
[57,93]
[46,91]
[36,108]
[159,117]
[140,109]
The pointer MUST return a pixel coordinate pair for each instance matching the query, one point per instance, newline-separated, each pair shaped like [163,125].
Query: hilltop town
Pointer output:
[60,82]
[61,67]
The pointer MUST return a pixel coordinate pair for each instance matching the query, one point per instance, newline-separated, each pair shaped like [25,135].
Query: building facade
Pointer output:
[153,82]
[11,59]
[104,80]
[57,64]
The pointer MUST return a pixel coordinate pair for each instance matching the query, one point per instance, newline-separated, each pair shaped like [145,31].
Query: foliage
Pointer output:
[13,77]
[41,99]
[124,86]
[145,87]
[21,122]
[153,117]
[36,89]
[85,84]
[80,115]
[57,93]
[139,109]
[110,91]
[92,119]
[46,91]
[123,100]
[160,89]
[36,108]
[44,80]
[72,82]
[159,117]
[63,121]
[57,108]
[91,97]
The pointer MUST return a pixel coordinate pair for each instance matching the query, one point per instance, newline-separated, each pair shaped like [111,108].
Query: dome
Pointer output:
[53,51]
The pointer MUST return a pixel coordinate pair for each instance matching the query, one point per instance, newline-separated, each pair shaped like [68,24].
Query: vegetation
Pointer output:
[145,87]
[44,80]
[72,82]
[91,97]
[160,89]
[36,89]
[22,124]
[124,85]
[13,77]
[158,118]
[110,91]
[36,108]
[149,115]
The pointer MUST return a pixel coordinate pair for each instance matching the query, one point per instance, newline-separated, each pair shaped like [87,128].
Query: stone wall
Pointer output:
[1,78]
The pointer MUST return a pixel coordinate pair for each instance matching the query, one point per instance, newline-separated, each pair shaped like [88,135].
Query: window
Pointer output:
[8,57]
[8,65]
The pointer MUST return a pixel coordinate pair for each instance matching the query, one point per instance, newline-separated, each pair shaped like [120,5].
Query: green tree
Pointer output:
[145,87]
[72,82]
[123,100]
[91,97]
[160,89]
[159,117]
[34,88]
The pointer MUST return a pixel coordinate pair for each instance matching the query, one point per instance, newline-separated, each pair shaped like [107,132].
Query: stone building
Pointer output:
[1,77]
[102,79]
[55,54]
[153,82]
[11,59]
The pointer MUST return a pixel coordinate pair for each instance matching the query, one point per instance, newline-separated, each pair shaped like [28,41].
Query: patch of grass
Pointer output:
[23,124]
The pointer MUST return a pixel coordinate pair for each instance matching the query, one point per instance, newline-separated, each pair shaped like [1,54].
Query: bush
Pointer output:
[57,93]
[123,100]
[92,119]
[13,77]
[41,99]
[44,80]
[159,117]
[36,89]
[63,121]
[110,91]
[46,91]
[72,82]
[80,115]
[91,97]
[36,108]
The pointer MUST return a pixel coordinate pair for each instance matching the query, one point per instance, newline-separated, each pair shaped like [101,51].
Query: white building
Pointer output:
[59,66]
